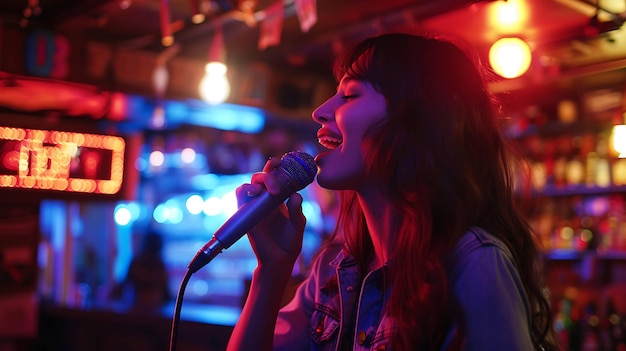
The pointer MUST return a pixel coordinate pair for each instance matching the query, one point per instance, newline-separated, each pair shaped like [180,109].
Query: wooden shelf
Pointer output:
[556,128]
[571,254]
[576,190]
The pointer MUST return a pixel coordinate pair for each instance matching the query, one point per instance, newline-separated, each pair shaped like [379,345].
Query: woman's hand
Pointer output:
[277,240]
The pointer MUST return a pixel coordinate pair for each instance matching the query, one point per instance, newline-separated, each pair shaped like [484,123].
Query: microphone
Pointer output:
[295,171]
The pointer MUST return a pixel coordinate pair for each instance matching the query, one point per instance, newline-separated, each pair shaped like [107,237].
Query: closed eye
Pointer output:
[349,97]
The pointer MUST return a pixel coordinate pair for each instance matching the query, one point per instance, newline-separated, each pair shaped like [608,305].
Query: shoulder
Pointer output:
[481,262]
[486,285]
[484,275]
[477,247]
[476,238]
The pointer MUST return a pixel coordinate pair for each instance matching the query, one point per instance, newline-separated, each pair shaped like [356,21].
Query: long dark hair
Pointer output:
[446,167]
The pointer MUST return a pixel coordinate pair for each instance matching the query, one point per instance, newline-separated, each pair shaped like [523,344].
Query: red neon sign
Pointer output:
[62,161]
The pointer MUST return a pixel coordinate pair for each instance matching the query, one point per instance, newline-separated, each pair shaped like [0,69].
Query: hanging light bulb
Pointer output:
[510,57]
[214,86]
[508,16]
[197,16]
[167,39]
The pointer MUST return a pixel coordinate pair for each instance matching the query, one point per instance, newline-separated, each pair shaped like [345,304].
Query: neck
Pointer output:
[380,219]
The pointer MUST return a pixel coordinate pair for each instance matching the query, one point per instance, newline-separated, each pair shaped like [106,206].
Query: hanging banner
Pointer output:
[307,14]
[272,26]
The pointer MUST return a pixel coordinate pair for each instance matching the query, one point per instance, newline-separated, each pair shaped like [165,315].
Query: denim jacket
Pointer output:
[329,303]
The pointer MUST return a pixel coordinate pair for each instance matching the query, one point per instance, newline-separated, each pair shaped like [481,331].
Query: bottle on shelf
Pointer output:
[591,162]
[549,160]
[563,234]
[620,236]
[567,111]
[563,152]
[590,338]
[613,322]
[543,223]
[605,233]
[618,172]
[585,235]
[563,324]
[575,167]
[603,165]
[615,225]
[618,147]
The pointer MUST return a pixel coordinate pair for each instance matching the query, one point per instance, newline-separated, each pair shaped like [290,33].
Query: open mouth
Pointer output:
[329,142]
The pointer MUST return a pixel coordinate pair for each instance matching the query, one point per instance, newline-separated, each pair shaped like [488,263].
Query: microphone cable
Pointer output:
[177,308]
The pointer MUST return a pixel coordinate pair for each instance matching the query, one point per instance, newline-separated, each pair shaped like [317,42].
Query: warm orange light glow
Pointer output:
[619,139]
[42,159]
[508,16]
[214,86]
[510,57]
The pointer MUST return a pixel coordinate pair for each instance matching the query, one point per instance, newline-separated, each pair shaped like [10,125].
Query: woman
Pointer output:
[431,251]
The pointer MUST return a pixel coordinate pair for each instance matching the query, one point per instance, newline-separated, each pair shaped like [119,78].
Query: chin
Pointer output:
[325,182]
[334,183]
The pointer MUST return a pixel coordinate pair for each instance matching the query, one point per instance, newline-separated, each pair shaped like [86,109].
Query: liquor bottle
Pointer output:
[590,340]
[567,111]
[585,234]
[591,159]
[618,172]
[563,152]
[575,168]
[615,331]
[603,166]
[564,325]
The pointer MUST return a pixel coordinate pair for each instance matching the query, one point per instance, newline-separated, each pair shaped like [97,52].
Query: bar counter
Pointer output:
[111,327]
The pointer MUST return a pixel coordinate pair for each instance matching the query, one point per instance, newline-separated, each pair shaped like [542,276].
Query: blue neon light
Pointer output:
[224,116]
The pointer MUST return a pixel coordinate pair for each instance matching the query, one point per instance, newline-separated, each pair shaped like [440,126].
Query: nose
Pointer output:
[324,112]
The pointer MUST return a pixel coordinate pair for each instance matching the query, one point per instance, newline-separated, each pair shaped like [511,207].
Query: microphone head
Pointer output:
[300,167]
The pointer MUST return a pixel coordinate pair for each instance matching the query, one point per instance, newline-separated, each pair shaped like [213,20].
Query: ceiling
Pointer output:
[553,27]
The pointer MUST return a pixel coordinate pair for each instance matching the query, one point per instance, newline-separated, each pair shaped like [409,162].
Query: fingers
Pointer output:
[260,180]
[271,164]
[246,191]
[294,206]
[267,178]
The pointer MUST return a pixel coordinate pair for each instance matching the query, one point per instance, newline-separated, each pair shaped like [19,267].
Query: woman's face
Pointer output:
[344,119]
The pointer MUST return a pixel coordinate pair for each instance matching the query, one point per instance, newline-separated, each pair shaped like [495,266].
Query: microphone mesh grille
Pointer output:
[301,168]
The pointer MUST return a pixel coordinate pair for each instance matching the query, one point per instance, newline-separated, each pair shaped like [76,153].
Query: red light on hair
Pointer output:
[118,108]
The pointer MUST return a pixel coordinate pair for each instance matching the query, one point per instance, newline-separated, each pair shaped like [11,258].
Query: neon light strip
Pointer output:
[48,166]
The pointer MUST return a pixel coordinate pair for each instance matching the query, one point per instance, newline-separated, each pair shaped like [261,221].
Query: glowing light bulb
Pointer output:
[157,158]
[214,87]
[194,204]
[508,16]
[188,155]
[122,216]
[510,57]
[198,18]
[167,40]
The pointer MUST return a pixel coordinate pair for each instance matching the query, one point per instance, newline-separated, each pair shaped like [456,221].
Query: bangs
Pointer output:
[357,63]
